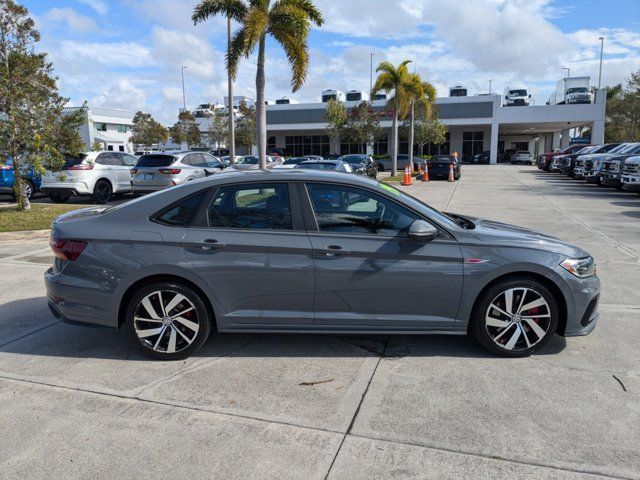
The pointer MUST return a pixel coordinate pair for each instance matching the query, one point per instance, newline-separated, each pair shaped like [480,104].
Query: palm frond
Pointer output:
[311,11]
[235,9]
[255,24]
[236,52]
[296,49]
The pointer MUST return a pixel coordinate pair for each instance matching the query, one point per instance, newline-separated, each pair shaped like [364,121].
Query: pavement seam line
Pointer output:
[29,333]
[355,414]
[245,417]
[617,245]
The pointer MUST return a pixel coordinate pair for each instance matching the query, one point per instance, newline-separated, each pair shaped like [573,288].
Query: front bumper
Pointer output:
[631,182]
[609,179]
[578,172]
[592,176]
[582,306]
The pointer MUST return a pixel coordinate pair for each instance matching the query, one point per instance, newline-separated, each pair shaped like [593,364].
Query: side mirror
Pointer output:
[421,230]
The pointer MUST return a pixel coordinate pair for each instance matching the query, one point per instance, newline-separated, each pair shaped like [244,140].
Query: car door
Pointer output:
[124,172]
[369,273]
[110,165]
[253,251]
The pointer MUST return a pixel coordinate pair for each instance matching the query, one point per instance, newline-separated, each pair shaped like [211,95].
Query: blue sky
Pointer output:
[128,53]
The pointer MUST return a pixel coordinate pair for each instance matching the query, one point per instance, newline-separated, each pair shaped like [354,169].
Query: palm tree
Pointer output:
[422,95]
[287,21]
[398,80]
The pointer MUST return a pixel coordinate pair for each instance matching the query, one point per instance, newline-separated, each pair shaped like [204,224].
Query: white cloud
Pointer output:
[100,6]
[124,94]
[116,54]
[73,19]
[174,48]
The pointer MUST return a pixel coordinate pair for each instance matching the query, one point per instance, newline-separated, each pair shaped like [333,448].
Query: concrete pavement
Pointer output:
[79,402]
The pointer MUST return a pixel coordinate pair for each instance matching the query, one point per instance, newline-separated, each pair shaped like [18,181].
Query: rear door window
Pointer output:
[264,206]
[129,160]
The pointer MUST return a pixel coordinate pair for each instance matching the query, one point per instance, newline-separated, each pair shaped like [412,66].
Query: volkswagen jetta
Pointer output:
[309,251]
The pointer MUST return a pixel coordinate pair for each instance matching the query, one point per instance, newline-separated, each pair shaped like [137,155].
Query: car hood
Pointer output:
[489,232]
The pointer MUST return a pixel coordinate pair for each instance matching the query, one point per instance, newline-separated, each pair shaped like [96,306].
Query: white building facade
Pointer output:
[109,127]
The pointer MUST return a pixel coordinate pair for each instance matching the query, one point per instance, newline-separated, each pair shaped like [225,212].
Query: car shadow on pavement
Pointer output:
[74,341]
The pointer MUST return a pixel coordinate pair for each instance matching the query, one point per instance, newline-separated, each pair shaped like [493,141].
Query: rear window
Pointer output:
[155,161]
[70,161]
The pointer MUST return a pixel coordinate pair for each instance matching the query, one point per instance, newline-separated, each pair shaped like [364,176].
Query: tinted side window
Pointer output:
[183,213]
[108,159]
[129,160]
[344,209]
[260,206]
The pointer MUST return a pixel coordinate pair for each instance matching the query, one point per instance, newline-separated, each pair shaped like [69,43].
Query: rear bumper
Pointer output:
[70,189]
[74,300]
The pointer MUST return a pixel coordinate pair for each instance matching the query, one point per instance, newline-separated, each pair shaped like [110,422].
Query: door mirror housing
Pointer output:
[421,230]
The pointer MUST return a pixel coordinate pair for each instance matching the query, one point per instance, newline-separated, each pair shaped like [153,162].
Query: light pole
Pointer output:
[232,135]
[371,55]
[601,52]
[184,97]
[568,71]
[490,81]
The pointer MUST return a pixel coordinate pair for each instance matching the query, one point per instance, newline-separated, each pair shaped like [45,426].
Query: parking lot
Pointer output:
[79,402]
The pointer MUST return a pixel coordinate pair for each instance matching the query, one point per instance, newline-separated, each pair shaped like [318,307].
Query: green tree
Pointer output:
[186,130]
[363,126]
[246,126]
[287,21]
[146,131]
[395,79]
[429,131]
[336,118]
[30,106]
[622,123]
[422,96]
[218,131]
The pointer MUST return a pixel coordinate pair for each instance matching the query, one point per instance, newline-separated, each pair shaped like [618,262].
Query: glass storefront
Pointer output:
[298,145]
[472,143]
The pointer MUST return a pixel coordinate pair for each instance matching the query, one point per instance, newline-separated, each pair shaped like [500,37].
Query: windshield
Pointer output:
[317,166]
[353,159]
[248,161]
[294,161]
[155,161]
[628,148]
[586,150]
[518,93]
[577,90]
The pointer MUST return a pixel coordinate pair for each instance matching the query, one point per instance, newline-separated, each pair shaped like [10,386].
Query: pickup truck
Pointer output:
[545,159]
[597,161]
[611,173]
[584,162]
[631,175]
[567,163]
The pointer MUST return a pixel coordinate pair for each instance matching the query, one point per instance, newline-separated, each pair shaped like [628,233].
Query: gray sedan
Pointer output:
[313,252]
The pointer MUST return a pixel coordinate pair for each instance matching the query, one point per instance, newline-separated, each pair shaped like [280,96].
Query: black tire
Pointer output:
[29,187]
[59,197]
[159,350]
[102,192]
[498,345]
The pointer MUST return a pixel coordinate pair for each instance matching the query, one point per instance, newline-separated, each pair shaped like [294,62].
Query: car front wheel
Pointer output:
[169,321]
[515,317]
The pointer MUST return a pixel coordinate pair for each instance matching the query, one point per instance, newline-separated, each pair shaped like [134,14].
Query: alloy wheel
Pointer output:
[518,318]
[102,192]
[166,321]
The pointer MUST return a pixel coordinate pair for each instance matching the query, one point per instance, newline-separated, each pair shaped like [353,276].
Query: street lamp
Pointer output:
[568,71]
[601,52]
[184,97]
[490,81]
[371,55]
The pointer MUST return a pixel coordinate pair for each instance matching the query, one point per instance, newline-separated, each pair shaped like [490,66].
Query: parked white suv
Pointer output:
[100,174]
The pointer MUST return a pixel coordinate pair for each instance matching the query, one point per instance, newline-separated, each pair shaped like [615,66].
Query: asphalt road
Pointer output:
[80,402]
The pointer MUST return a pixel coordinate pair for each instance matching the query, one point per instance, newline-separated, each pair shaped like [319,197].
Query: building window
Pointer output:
[121,148]
[110,148]
[101,127]
[271,144]
[472,143]
[299,145]
[381,145]
[123,128]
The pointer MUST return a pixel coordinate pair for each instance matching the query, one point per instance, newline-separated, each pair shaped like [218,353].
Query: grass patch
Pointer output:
[38,218]
[398,178]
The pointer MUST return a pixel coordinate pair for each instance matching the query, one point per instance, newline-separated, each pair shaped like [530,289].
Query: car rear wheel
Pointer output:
[168,320]
[27,188]
[102,192]
[58,197]
[515,317]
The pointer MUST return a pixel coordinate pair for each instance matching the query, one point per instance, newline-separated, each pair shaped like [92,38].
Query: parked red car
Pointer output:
[544,159]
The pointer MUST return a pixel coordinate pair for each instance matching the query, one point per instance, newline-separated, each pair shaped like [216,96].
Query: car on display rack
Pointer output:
[157,171]
[30,179]
[545,159]
[327,165]
[631,175]
[439,166]
[612,167]
[522,156]
[312,252]
[593,175]
[100,174]
[361,164]
[584,162]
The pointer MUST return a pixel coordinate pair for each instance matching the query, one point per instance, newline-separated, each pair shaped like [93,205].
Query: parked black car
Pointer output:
[482,157]
[361,164]
[584,162]
[439,167]
[611,173]
[385,164]
[568,162]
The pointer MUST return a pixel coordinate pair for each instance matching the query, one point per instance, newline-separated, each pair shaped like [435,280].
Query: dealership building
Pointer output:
[474,124]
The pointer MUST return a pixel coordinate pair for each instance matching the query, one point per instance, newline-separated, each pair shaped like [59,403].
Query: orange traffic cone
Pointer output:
[452,178]
[407,176]
[425,176]
[419,170]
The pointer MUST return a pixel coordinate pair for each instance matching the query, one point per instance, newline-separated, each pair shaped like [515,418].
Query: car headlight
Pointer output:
[580,267]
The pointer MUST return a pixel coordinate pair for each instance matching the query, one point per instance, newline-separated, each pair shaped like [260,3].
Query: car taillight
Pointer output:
[170,171]
[80,167]
[134,171]
[6,167]
[67,249]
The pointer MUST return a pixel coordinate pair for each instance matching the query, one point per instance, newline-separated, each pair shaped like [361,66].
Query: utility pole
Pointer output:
[568,71]
[371,74]
[184,96]
[490,81]
[601,52]
[232,127]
